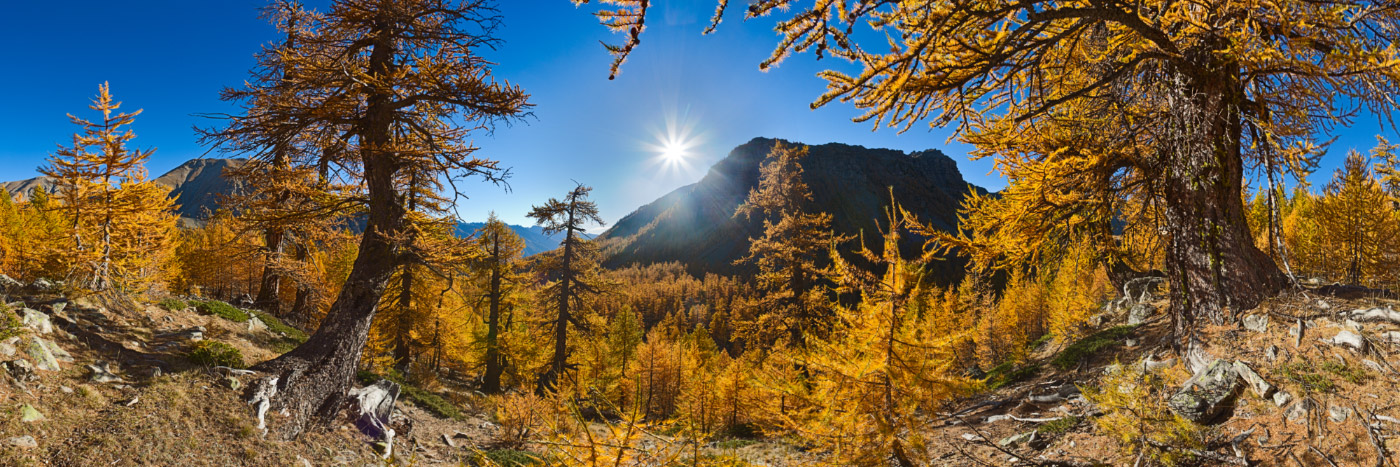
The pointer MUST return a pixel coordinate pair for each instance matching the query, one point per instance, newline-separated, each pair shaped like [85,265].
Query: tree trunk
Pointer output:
[312,380]
[1213,267]
[495,362]
[549,381]
[269,291]
[302,307]
[403,351]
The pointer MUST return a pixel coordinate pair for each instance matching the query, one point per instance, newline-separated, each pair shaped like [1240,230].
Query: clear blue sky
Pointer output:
[171,58]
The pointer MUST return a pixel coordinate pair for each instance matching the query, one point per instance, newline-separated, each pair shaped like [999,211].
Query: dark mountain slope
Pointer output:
[695,224]
[536,241]
[199,183]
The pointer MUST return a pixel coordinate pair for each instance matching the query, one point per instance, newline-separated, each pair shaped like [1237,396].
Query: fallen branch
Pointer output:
[1323,455]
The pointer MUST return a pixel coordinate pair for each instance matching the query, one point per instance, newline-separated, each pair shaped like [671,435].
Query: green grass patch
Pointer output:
[1045,339]
[222,310]
[10,323]
[1089,346]
[510,458]
[418,396]
[173,304]
[291,336]
[215,353]
[1351,374]
[1060,426]
[1008,373]
[735,443]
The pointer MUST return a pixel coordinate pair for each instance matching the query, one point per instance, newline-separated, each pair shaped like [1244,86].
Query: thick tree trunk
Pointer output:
[269,291]
[303,307]
[1214,269]
[495,362]
[312,381]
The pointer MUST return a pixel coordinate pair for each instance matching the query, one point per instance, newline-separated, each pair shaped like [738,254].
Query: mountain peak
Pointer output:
[695,224]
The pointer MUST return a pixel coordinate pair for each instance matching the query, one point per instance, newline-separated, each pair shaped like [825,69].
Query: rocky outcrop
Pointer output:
[696,226]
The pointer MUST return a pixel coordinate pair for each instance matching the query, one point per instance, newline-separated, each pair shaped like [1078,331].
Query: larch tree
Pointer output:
[1186,95]
[571,271]
[793,303]
[1358,222]
[500,250]
[384,89]
[101,189]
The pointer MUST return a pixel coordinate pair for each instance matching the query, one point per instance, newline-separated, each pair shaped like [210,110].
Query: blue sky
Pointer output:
[171,57]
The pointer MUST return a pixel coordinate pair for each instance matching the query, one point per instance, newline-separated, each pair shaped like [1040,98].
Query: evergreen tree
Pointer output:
[1358,222]
[571,270]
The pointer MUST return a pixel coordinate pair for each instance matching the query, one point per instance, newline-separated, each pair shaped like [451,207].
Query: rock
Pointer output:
[376,405]
[42,285]
[21,370]
[1338,414]
[192,334]
[1352,325]
[1373,365]
[1256,322]
[1300,410]
[965,436]
[1142,288]
[997,418]
[1281,398]
[58,352]
[102,373]
[1384,315]
[1207,394]
[1348,339]
[1261,388]
[9,284]
[1151,364]
[1017,440]
[232,383]
[256,325]
[1140,313]
[28,414]
[1322,305]
[1271,353]
[23,442]
[7,349]
[36,320]
[42,355]
[975,373]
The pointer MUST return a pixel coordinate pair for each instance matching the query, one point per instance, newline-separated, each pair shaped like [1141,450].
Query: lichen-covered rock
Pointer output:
[1140,313]
[23,442]
[1348,339]
[102,373]
[1261,388]
[1207,394]
[1300,411]
[1142,288]
[9,284]
[28,414]
[36,320]
[41,354]
[1256,323]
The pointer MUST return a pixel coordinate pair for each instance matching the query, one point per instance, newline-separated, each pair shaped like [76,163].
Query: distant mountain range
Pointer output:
[198,183]
[695,224]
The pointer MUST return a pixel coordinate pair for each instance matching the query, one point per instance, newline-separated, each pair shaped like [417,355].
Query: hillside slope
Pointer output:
[695,224]
[199,184]
[536,241]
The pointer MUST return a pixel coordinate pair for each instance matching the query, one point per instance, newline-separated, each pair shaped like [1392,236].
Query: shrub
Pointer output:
[1062,425]
[1137,417]
[215,353]
[1007,373]
[223,310]
[1087,347]
[508,458]
[173,304]
[519,415]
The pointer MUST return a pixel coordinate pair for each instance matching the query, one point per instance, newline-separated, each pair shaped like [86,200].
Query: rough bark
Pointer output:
[312,380]
[1214,269]
[403,350]
[270,288]
[303,307]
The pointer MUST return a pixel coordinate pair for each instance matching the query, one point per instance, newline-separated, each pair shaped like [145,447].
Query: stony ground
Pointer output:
[105,381]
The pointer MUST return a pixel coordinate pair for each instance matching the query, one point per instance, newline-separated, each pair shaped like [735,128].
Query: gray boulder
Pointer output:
[1142,289]
[1140,313]
[1256,323]
[102,373]
[23,442]
[36,320]
[1300,411]
[1207,394]
[1261,388]
[9,284]
[21,370]
[29,414]
[256,325]
[42,285]
[42,355]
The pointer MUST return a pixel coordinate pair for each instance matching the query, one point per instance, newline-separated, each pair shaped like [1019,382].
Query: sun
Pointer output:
[673,152]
